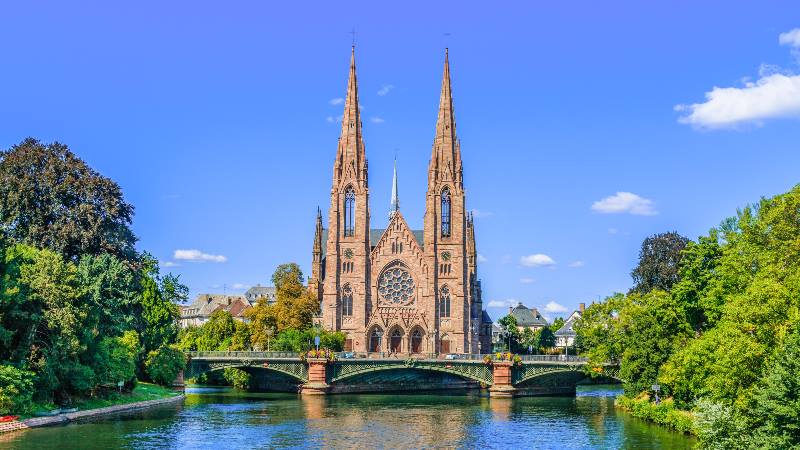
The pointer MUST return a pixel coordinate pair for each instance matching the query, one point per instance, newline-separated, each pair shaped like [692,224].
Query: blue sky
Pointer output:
[218,120]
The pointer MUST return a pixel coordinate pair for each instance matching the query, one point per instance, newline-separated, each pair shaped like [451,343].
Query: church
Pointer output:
[400,290]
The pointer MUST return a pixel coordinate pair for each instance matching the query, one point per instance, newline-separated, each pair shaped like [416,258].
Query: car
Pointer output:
[454,356]
[347,355]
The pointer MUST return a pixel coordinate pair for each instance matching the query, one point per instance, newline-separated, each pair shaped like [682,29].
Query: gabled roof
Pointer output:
[375,237]
[568,329]
[485,318]
[527,317]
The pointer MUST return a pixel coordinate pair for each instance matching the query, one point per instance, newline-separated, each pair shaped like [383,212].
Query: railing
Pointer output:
[386,355]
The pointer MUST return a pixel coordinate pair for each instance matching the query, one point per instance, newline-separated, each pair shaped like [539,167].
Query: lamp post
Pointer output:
[269,335]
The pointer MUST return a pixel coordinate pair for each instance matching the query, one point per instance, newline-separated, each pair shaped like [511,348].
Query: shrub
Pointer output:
[16,390]
[164,364]
[664,413]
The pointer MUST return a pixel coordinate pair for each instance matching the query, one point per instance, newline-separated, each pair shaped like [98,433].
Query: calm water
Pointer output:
[219,419]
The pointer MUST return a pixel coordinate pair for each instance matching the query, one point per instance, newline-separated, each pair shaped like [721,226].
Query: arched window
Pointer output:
[349,211]
[347,300]
[444,302]
[396,341]
[445,212]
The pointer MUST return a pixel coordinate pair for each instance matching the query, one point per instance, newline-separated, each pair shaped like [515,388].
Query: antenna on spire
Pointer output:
[353,34]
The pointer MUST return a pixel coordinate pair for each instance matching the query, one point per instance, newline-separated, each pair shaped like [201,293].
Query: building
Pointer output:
[565,336]
[397,289]
[198,312]
[527,318]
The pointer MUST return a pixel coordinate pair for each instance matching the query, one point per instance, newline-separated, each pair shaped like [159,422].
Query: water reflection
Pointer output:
[226,419]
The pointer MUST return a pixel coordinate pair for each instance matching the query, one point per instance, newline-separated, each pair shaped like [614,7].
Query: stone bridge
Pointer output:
[375,372]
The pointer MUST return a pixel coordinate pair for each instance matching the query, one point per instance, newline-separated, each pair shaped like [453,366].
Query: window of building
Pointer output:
[444,302]
[445,212]
[347,300]
[349,211]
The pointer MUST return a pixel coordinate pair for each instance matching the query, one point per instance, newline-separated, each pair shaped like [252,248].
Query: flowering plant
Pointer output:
[323,353]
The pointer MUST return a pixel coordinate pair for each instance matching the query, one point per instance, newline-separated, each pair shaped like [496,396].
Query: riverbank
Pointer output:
[145,395]
[665,413]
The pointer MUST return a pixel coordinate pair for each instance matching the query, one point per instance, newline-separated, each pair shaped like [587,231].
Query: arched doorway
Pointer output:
[375,340]
[444,344]
[416,341]
[396,341]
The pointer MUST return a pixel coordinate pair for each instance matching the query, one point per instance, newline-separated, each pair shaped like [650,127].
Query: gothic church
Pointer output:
[400,290]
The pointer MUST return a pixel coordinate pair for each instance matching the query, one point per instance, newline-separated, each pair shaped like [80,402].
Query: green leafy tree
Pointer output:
[557,324]
[545,339]
[159,298]
[164,364]
[16,390]
[512,337]
[659,259]
[599,331]
[50,198]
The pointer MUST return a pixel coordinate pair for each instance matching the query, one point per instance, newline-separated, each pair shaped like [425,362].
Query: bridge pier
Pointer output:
[317,377]
[179,384]
[502,386]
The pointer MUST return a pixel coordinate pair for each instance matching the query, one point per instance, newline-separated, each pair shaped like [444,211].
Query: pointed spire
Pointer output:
[446,154]
[395,202]
[318,235]
[351,145]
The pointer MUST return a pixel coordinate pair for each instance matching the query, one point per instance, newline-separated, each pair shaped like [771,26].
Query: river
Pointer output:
[220,418]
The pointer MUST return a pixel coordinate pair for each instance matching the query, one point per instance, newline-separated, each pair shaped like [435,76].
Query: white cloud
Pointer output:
[625,202]
[772,96]
[482,258]
[790,38]
[553,307]
[536,260]
[576,264]
[527,280]
[239,286]
[503,303]
[169,264]
[336,101]
[376,120]
[776,94]
[198,256]
[385,89]
[481,214]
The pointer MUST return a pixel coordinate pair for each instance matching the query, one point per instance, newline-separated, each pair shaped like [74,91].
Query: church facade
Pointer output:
[396,289]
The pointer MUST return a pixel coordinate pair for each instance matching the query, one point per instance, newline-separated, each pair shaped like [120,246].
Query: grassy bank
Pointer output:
[142,392]
[665,413]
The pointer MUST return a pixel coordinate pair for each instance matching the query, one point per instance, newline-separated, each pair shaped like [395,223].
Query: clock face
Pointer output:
[446,256]
[348,253]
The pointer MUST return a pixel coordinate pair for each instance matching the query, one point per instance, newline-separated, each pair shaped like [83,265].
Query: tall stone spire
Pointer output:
[395,202]
[351,162]
[446,154]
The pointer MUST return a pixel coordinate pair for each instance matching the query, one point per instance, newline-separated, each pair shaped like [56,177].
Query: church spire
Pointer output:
[395,202]
[446,155]
[351,160]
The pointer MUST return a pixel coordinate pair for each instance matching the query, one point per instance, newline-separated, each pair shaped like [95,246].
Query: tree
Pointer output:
[546,339]
[159,298]
[557,324]
[50,198]
[659,259]
[599,331]
[164,364]
[512,335]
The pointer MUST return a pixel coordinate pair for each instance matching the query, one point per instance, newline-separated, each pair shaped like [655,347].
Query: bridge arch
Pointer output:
[529,373]
[345,370]
[296,370]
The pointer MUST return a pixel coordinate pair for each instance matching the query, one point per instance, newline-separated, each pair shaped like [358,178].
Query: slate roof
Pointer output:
[527,317]
[485,318]
[568,329]
[375,235]
[258,291]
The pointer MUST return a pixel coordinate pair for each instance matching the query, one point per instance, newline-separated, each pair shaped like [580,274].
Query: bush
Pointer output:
[16,390]
[237,378]
[664,413]
[164,364]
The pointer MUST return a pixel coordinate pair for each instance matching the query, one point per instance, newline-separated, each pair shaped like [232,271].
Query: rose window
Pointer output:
[395,285]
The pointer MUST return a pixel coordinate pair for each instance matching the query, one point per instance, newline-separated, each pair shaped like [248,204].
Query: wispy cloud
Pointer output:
[195,255]
[239,286]
[168,264]
[536,260]
[527,280]
[613,231]
[376,120]
[576,264]
[776,94]
[625,203]
[482,259]
[385,89]
[553,307]
[503,303]
[336,101]
[481,214]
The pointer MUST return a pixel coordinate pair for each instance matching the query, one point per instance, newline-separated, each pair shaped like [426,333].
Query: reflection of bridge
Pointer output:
[534,375]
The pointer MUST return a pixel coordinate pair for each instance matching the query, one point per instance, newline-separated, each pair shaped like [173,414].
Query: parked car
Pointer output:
[347,355]
[454,356]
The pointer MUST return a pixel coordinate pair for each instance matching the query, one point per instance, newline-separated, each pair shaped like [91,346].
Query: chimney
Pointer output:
[510,309]
[581,307]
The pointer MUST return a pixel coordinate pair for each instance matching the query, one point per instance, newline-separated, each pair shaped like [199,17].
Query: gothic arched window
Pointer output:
[349,211]
[444,302]
[445,212]
[347,300]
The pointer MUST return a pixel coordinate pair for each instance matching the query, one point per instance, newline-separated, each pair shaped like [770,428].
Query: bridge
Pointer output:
[382,372]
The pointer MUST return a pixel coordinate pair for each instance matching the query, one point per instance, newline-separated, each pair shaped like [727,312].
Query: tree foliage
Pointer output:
[164,364]
[658,262]
[50,198]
